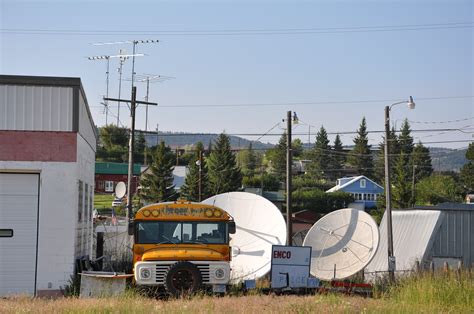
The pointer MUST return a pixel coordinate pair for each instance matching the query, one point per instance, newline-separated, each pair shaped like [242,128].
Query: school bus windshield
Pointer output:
[177,232]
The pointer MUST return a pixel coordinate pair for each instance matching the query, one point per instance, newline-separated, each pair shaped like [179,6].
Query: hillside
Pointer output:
[446,159]
[178,139]
[443,159]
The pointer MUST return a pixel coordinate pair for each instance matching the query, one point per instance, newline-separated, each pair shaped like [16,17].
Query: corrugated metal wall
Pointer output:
[36,108]
[456,236]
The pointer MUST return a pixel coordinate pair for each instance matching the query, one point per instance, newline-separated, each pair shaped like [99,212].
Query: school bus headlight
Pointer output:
[219,273]
[145,273]
[209,213]
[155,213]
[217,213]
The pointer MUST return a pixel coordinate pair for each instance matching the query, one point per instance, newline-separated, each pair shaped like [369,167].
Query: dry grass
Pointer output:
[442,293]
[244,304]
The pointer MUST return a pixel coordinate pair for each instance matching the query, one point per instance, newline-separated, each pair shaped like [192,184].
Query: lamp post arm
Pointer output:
[397,103]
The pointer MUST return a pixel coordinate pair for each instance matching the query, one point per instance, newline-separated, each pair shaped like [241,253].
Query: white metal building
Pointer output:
[47,153]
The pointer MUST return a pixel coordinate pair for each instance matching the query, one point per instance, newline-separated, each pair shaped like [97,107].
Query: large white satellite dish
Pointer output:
[343,243]
[260,225]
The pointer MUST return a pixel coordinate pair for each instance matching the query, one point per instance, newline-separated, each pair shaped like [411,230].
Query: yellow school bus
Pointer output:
[182,246]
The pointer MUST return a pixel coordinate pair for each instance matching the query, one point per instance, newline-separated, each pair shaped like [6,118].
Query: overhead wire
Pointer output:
[242,32]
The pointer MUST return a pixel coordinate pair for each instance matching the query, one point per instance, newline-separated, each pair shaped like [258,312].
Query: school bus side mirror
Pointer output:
[232,227]
[131,227]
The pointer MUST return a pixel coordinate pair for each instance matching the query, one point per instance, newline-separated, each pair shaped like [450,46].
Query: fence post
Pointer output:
[459,270]
[417,268]
[446,267]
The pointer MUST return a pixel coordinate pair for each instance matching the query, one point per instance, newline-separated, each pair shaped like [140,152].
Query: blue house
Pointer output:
[365,191]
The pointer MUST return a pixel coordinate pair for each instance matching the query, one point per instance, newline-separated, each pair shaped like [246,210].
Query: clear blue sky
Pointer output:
[225,69]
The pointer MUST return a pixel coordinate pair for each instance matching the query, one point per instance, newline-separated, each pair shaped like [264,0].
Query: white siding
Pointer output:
[85,174]
[36,108]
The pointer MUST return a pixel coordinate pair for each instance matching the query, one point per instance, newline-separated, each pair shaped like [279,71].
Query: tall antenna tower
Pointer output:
[122,57]
[134,43]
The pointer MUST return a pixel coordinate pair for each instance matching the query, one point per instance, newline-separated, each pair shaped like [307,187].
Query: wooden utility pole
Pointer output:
[289,161]
[133,103]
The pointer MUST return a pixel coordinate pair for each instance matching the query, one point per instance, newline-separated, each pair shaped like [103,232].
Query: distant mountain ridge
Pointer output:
[182,139]
[443,159]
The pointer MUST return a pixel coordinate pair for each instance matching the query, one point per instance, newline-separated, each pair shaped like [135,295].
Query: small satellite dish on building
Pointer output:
[260,225]
[120,190]
[343,243]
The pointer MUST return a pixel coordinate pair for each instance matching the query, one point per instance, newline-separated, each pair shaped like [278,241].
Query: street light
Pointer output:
[388,193]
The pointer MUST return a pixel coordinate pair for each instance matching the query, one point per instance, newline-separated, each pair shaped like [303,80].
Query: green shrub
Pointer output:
[320,201]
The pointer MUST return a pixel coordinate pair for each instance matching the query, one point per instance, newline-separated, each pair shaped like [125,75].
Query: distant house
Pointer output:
[364,190]
[108,174]
[470,198]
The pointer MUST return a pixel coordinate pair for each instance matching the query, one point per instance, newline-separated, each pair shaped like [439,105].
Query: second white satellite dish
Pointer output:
[260,225]
[120,190]
[343,243]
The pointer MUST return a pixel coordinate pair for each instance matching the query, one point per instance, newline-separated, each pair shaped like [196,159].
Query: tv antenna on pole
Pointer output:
[150,79]
[135,43]
[122,57]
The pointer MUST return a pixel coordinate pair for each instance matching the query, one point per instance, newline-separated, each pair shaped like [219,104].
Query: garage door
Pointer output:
[18,232]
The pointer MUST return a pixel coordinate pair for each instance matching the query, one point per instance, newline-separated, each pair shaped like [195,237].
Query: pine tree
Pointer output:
[402,184]
[190,188]
[421,161]
[157,183]
[224,174]
[402,180]
[320,155]
[277,157]
[405,140]
[361,156]
[139,148]
[248,161]
[379,172]
[467,171]
[338,158]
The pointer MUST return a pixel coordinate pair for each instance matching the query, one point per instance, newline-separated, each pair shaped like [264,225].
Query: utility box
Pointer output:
[96,284]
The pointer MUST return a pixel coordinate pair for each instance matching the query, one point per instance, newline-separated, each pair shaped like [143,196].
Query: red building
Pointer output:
[108,174]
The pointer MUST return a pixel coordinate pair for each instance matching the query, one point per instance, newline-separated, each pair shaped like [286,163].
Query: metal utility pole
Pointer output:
[106,104]
[289,161]
[122,60]
[133,103]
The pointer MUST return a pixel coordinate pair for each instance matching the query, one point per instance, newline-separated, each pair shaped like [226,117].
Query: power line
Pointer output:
[240,32]
[304,134]
[441,122]
[315,102]
[312,103]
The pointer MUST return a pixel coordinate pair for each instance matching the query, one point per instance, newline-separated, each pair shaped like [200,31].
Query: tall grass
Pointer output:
[451,290]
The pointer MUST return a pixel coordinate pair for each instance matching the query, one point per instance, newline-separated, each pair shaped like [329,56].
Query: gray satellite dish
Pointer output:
[343,243]
[120,190]
[260,225]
